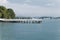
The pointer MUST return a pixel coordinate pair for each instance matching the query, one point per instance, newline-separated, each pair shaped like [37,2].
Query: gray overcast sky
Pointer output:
[33,7]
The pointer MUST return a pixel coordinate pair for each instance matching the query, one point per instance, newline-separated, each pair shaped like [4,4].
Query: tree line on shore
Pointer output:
[6,13]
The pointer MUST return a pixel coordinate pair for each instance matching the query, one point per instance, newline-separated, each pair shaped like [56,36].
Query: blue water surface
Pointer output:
[47,30]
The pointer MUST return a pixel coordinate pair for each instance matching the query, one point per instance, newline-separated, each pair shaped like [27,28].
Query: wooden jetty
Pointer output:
[22,20]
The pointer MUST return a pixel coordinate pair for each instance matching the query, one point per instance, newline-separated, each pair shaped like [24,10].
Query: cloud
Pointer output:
[27,1]
[3,1]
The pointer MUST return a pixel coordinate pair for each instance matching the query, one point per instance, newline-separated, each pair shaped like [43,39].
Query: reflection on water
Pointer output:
[47,30]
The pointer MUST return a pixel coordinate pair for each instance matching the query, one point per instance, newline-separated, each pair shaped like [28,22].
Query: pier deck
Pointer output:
[22,20]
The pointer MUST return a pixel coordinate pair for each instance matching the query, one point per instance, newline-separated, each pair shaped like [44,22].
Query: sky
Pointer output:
[33,7]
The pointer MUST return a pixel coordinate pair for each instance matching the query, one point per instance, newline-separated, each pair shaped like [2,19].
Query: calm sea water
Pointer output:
[47,30]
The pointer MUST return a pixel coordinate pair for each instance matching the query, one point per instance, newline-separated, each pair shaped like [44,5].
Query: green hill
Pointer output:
[6,13]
